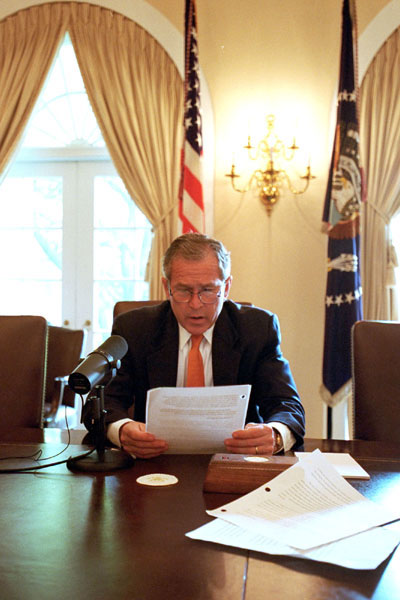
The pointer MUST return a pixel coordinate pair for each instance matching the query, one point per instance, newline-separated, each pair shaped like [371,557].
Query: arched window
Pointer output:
[75,242]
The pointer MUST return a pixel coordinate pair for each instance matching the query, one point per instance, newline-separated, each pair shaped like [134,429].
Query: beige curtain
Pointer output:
[28,43]
[137,96]
[380,147]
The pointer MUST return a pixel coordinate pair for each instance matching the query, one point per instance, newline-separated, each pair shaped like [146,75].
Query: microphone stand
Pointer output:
[105,459]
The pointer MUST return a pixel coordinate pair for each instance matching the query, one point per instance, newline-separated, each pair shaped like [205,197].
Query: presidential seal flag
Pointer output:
[343,303]
[191,204]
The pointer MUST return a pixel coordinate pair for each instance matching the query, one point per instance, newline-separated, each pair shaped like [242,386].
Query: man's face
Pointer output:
[196,275]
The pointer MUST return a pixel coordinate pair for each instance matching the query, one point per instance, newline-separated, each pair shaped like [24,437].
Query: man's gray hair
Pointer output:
[196,246]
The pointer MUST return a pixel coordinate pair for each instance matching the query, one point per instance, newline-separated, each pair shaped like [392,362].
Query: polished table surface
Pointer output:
[70,535]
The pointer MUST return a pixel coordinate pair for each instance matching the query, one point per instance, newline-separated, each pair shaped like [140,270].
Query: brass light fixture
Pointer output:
[270,179]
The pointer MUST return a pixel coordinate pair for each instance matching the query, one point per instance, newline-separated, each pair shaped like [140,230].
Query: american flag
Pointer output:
[343,303]
[191,204]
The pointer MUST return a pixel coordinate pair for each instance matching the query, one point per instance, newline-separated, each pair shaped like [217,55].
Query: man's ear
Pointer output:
[228,283]
[164,281]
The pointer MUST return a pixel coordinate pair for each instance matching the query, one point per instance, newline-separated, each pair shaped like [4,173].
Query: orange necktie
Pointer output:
[195,369]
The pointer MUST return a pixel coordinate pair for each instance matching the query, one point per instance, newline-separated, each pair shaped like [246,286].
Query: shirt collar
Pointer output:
[184,335]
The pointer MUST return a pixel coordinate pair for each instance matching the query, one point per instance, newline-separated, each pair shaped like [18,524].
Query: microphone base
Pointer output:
[101,462]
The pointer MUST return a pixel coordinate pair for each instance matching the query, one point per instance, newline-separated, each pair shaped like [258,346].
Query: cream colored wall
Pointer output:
[260,57]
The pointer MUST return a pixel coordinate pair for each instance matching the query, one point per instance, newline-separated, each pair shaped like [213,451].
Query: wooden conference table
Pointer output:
[66,535]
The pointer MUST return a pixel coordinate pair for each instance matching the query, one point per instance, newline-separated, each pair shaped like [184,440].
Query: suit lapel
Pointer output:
[162,363]
[225,351]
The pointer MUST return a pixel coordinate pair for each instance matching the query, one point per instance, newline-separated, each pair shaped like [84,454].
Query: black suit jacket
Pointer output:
[245,350]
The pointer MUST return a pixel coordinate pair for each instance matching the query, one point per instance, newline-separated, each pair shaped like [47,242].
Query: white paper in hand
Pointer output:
[196,420]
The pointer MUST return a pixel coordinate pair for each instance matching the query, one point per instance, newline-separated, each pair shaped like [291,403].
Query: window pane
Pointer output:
[31,202]
[31,239]
[107,294]
[26,297]
[121,253]
[32,254]
[111,192]
[121,239]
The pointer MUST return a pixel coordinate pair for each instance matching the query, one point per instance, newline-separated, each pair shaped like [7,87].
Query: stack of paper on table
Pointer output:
[309,511]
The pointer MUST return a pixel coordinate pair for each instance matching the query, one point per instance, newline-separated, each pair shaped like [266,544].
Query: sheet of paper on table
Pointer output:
[364,550]
[196,420]
[309,511]
[344,463]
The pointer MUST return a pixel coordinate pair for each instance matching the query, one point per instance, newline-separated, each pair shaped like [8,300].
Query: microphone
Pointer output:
[98,364]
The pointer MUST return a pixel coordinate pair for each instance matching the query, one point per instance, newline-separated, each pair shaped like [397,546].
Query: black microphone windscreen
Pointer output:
[115,345]
[98,364]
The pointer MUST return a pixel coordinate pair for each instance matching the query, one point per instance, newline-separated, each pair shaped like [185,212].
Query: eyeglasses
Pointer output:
[205,296]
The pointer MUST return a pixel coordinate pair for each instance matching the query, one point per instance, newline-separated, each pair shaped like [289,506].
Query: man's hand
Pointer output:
[255,438]
[136,440]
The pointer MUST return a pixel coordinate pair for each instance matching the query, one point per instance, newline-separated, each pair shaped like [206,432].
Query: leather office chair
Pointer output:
[23,349]
[125,305]
[376,380]
[65,348]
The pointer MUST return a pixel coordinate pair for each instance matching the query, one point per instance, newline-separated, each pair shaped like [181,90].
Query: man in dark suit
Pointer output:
[240,345]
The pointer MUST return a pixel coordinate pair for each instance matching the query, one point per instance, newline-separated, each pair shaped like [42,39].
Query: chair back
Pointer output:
[125,305]
[23,350]
[376,380]
[65,348]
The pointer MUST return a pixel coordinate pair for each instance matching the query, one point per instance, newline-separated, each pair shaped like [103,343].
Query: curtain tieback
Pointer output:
[157,224]
[379,212]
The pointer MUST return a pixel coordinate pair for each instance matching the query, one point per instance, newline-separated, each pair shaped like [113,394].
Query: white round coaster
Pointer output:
[157,479]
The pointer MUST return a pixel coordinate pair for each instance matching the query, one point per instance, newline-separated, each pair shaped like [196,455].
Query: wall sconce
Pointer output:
[270,179]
